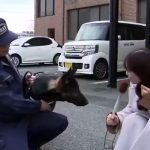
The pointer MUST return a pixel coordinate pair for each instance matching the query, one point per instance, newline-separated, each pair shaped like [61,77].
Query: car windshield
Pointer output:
[93,31]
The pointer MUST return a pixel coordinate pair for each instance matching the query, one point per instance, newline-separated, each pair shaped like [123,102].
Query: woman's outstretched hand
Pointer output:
[145,100]
[144,90]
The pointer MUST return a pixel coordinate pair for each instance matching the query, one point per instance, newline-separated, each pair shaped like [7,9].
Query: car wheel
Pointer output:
[100,69]
[55,59]
[16,59]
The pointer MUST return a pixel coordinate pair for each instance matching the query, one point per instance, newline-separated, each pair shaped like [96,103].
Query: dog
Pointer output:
[67,89]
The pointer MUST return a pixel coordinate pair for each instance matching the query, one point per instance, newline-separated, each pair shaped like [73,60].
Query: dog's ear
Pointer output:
[67,79]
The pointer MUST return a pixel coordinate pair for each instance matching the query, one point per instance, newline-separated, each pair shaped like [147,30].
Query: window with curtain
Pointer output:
[73,24]
[45,8]
[142,11]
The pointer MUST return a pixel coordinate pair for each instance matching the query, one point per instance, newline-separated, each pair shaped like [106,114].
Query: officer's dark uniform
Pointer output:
[22,125]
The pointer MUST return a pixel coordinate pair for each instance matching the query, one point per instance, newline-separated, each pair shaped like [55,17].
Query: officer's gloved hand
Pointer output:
[45,106]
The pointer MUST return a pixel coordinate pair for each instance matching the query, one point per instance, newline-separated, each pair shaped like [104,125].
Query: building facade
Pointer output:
[61,19]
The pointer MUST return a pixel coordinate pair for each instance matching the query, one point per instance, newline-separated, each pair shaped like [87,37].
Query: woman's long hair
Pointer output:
[138,61]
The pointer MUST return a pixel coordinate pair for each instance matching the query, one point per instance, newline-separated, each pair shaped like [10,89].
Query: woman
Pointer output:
[133,121]
[24,123]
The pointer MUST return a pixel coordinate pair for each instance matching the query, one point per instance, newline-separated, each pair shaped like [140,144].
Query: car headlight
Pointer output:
[63,50]
[90,49]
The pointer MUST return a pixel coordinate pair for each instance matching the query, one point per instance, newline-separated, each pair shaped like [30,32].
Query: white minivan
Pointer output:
[90,49]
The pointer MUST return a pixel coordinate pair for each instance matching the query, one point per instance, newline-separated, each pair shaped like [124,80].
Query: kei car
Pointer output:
[36,49]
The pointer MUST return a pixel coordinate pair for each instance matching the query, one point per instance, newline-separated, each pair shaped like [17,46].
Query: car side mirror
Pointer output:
[119,37]
[26,45]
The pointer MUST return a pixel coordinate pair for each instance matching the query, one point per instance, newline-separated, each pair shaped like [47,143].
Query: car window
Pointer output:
[45,41]
[94,31]
[39,41]
[131,32]
[138,32]
[122,31]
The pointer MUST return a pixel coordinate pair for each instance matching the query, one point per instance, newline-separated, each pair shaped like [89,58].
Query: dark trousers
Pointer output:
[44,127]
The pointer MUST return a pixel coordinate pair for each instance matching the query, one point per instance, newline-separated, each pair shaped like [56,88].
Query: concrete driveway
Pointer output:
[86,130]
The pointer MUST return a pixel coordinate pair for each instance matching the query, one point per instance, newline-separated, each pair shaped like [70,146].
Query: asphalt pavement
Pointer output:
[86,130]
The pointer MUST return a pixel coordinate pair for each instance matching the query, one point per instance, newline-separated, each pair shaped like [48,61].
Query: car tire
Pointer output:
[16,59]
[100,69]
[55,59]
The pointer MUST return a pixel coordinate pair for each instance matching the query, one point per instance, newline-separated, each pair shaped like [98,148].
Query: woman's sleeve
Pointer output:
[132,103]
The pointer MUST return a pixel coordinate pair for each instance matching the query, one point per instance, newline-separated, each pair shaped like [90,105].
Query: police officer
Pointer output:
[25,124]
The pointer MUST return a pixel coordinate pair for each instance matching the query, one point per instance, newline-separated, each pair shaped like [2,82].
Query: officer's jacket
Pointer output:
[14,109]
[13,105]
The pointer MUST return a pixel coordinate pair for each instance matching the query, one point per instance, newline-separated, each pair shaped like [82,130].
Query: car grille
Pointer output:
[74,52]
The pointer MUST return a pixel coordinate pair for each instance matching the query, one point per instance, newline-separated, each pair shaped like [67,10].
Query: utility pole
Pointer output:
[113,46]
[147,24]
[63,24]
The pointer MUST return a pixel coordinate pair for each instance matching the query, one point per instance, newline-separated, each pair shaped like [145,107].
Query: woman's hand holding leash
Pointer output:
[112,120]
[112,123]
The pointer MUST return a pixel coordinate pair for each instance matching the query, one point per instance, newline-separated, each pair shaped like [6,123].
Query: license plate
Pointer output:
[68,65]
